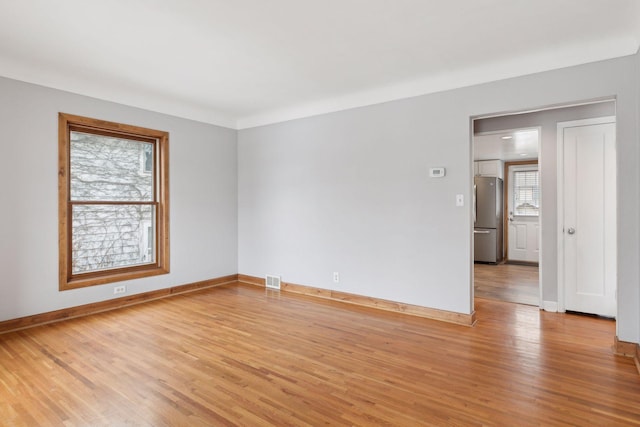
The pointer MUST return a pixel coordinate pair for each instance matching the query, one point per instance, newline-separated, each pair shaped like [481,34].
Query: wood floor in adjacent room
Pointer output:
[241,355]
[507,282]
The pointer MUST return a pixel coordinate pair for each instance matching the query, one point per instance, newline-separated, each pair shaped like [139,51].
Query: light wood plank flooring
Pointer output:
[241,355]
[507,282]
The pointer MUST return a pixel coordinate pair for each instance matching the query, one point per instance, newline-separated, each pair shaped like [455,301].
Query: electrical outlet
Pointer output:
[336,277]
[119,290]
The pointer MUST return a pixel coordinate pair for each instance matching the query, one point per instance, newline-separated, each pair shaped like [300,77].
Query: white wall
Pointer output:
[203,198]
[547,121]
[350,191]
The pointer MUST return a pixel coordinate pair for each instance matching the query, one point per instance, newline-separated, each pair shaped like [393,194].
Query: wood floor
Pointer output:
[241,355]
[507,282]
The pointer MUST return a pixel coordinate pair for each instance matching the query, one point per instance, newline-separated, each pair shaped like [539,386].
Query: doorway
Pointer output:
[510,158]
[522,207]
[551,294]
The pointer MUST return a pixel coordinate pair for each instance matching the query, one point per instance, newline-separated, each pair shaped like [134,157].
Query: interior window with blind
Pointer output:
[113,202]
[526,193]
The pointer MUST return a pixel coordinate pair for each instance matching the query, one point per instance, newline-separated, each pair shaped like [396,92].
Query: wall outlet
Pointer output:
[119,290]
[336,277]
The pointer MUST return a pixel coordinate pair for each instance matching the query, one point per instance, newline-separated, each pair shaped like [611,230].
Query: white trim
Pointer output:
[548,107]
[587,122]
[470,210]
[551,306]
[502,131]
[561,126]
[560,215]
[541,216]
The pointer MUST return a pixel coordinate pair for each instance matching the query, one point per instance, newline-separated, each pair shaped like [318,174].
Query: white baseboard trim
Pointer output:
[550,306]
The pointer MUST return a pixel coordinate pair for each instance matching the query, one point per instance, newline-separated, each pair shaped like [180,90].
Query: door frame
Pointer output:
[505,198]
[560,194]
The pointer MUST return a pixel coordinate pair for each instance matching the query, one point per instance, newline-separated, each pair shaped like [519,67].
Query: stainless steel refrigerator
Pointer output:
[488,221]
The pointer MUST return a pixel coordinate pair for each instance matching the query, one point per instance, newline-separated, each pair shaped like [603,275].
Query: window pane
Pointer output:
[110,169]
[112,236]
[147,160]
[526,193]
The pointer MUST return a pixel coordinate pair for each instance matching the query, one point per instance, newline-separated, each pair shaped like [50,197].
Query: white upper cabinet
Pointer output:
[494,168]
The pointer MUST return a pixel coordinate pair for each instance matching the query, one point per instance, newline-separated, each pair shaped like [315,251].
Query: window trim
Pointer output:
[67,123]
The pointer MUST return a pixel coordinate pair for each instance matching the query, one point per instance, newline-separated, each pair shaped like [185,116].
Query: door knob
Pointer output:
[571,230]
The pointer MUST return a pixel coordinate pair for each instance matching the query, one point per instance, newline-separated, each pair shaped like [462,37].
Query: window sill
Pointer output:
[102,278]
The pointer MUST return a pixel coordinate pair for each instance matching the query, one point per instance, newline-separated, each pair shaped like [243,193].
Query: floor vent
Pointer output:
[272,282]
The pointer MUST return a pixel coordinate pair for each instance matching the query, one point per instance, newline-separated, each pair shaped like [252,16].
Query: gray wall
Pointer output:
[345,192]
[636,72]
[547,121]
[203,198]
[350,191]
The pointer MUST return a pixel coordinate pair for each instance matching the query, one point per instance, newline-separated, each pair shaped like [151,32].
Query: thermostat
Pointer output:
[436,172]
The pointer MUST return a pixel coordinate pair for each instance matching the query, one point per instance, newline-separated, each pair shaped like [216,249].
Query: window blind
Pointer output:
[526,193]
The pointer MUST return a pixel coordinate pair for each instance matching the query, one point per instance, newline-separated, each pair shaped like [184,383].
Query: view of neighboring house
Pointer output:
[103,170]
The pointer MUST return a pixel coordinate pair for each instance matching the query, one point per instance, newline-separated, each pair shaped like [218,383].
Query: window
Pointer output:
[526,192]
[113,202]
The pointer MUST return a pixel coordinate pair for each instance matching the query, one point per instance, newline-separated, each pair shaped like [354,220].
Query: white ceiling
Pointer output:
[243,63]
[509,145]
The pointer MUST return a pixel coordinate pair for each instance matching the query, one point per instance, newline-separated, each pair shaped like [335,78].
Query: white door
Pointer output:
[523,203]
[587,216]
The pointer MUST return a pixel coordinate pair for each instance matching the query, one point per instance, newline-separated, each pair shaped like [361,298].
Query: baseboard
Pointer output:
[628,349]
[380,304]
[526,263]
[624,348]
[112,304]
[551,306]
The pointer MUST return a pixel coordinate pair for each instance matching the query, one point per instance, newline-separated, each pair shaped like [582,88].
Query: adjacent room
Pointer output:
[508,154]
[319,213]
[506,226]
